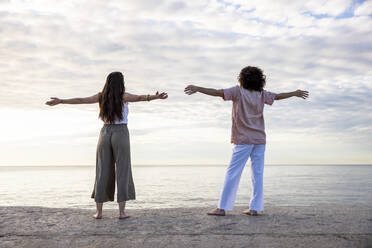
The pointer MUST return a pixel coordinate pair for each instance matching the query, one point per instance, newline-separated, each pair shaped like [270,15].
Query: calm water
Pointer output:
[189,186]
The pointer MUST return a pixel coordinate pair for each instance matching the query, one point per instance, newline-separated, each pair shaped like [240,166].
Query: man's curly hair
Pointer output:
[252,78]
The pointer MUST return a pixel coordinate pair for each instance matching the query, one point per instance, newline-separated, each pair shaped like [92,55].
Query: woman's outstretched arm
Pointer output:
[78,100]
[128,97]
[298,93]
[191,89]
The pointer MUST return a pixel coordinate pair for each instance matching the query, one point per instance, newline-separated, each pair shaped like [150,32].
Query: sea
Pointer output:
[188,186]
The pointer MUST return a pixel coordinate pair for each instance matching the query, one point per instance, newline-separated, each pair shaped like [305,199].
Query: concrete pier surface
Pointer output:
[321,226]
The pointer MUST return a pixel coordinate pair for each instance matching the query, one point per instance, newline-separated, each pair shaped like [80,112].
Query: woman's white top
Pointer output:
[125,115]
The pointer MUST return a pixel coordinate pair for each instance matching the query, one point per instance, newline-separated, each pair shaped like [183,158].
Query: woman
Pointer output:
[113,145]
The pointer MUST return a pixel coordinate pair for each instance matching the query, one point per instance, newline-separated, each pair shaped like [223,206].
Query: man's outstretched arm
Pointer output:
[298,93]
[191,89]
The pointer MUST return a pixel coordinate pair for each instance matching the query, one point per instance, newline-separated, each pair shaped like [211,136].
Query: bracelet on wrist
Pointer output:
[148,98]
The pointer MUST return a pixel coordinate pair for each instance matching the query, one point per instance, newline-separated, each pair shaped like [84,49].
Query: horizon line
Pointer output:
[200,165]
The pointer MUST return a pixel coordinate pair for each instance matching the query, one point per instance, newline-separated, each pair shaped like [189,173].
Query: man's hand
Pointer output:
[54,101]
[191,89]
[301,93]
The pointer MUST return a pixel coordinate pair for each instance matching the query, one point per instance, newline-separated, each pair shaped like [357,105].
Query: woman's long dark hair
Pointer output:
[111,98]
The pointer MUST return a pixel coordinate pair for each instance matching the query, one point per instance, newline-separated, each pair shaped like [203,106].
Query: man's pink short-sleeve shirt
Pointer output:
[248,125]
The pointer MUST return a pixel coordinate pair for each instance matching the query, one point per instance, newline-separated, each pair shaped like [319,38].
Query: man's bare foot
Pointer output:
[123,216]
[217,212]
[250,212]
[97,216]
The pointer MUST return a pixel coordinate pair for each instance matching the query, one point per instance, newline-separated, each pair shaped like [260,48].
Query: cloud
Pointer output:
[365,9]
[67,49]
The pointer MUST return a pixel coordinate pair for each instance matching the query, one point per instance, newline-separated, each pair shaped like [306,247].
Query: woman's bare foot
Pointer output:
[97,216]
[123,216]
[250,212]
[217,212]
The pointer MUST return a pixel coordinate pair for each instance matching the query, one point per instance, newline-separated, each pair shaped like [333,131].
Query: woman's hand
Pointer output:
[191,89]
[54,101]
[301,93]
[162,95]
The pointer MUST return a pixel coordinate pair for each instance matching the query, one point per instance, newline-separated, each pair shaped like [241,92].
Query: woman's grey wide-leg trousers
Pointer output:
[113,159]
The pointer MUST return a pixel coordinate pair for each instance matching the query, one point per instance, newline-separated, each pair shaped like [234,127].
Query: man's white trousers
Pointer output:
[239,158]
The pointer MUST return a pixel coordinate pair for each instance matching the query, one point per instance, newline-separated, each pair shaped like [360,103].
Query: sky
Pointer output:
[67,48]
